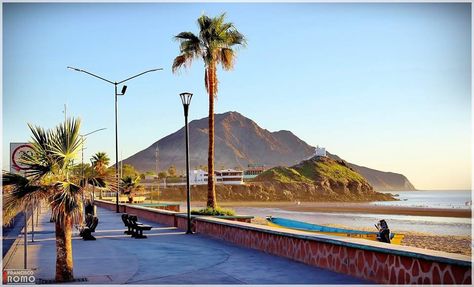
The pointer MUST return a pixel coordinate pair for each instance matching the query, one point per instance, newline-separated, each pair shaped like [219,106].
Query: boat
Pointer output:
[395,238]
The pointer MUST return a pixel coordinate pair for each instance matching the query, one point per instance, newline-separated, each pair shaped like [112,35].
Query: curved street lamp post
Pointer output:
[82,155]
[186,100]
[124,89]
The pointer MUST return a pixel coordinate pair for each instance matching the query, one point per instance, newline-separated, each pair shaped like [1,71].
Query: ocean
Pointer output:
[436,225]
[430,199]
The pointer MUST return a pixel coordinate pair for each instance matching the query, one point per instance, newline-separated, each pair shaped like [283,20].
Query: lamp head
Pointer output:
[124,89]
[186,98]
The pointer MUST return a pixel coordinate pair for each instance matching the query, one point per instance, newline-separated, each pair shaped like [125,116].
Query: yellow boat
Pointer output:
[303,226]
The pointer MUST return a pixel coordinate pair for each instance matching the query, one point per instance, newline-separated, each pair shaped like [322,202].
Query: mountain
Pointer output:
[239,141]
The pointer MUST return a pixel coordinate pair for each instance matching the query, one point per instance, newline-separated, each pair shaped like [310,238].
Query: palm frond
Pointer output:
[19,193]
[66,141]
[234,37]
[67,202]
[227,58]
[186,36]
[183,60]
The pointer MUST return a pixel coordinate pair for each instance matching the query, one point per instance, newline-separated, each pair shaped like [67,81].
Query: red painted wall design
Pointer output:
[375,266]
[163,218]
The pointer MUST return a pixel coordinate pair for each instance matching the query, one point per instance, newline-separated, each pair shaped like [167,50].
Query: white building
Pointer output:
[198,176]
[230,176]
[320,151]
[227,176]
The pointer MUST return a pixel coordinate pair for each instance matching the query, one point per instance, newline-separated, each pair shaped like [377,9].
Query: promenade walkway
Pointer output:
[167,256]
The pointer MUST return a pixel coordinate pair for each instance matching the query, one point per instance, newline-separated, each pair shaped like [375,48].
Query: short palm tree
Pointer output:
[100,162]
[214,45]
[50,176]
[129,184]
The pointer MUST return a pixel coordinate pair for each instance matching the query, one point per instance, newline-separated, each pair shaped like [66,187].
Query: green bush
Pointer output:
[213,212]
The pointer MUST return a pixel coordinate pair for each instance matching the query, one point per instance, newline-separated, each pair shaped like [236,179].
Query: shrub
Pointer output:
[213,212]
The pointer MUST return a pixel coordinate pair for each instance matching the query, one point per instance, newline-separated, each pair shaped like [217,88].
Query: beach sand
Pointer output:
[451,244]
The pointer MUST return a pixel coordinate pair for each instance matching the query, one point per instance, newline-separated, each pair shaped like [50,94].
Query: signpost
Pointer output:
[16,152]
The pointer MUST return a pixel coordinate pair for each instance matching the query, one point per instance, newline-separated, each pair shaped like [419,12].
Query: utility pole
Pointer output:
[157,156]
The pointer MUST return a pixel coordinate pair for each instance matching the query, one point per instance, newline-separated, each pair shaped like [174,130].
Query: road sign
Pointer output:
[16,152]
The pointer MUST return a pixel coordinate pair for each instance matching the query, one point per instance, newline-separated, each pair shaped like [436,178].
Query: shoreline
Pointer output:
[355,207]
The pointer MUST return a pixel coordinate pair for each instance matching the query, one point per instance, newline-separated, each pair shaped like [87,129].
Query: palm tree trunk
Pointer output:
[64,263]
[211,187]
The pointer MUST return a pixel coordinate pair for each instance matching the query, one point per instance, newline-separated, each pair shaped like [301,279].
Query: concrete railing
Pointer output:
[374,261]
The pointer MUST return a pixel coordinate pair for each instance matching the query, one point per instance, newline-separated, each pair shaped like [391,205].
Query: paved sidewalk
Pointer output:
[167,256]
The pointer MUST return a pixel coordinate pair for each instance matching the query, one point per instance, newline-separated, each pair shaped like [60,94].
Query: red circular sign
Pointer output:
[17,154]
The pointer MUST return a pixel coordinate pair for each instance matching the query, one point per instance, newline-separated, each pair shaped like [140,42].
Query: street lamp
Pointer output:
[82,154]
[124,89]
[186,100]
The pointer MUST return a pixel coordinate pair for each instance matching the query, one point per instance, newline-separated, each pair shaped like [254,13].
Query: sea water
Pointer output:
[430,199]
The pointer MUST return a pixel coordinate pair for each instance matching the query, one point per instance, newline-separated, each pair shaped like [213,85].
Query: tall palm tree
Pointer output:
[214,45]
[49,176]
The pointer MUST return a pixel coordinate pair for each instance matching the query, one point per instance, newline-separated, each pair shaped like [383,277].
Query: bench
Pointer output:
[135,228]
[127,224]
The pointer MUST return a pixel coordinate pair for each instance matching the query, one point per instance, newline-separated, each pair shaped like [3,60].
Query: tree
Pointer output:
[129,170]
[50,176]
[214,45]
[162,174]
[100,161]
[172,171]
[130,185]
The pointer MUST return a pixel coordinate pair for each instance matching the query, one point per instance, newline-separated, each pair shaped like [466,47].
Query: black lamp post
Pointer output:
[186,99]
[124,89]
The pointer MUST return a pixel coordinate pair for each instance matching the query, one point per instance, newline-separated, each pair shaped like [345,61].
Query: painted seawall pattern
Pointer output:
[375,261]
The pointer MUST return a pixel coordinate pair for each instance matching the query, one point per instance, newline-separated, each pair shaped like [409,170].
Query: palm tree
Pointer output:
[100,161]
[130,184]
[214,45]
[50,176]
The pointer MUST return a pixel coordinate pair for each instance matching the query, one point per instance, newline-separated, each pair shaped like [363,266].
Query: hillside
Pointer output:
[322,177]
[239,141]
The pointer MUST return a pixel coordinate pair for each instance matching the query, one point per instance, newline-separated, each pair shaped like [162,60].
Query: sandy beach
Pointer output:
[452,244]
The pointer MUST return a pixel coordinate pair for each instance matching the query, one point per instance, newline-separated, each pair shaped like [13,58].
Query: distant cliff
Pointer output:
[239,141]
[381,180]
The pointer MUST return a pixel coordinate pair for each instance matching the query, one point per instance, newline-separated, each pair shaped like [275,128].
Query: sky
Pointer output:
[387,86]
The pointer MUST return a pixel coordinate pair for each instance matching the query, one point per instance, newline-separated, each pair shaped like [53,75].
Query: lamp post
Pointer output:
[82,156]
[124,89]
[186,100]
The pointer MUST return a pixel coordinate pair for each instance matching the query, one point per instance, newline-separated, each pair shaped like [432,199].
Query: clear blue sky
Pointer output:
[387,86]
